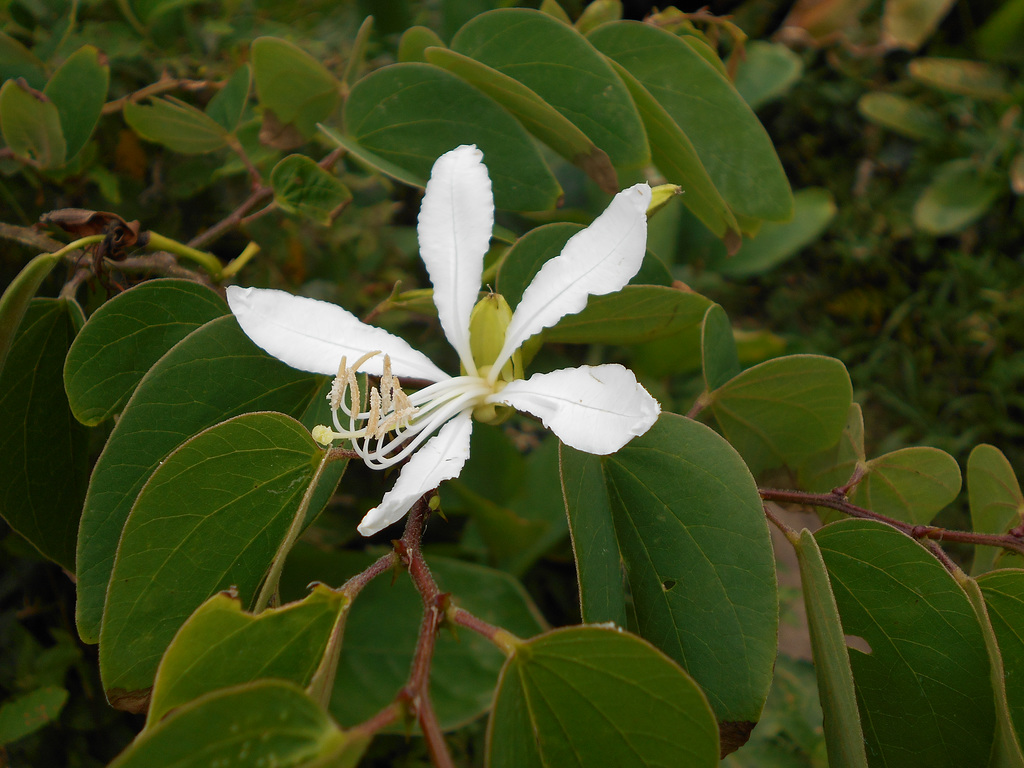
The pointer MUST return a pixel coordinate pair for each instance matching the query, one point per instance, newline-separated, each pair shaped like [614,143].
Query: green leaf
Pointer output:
[767,72]
[211,375]
[911,484]
[297,88]
[79,89]
[536,115]
[999,37]
[393,114]
[813,210]
[636,313]
[731,143]
[44,449]
[905,116]
[594,546]
[220,646]
[414,43]
[923,690]
[175,124]
[304,188]
[844,737]
[16,298]
[691,532]
[30,124]
[126,336]
[959,195]
[675,156]
[228,105]
[265,723]
[559,65]
[784,410]
[1006,752]
[376,654]
[835,465]
[1004,598]
[18,61]
[247,476]
[908,23]
[595,697]
[719,360]
[967,78]
[997,504]
[28,713]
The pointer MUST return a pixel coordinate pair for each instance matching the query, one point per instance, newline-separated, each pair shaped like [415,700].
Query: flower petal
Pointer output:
[598,260]
[455,223]
[597,409]
[441,458]
[313,335]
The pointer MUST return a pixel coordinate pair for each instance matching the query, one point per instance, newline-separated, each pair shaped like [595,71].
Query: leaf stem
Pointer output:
[502,638]
[270,584]
[207,261]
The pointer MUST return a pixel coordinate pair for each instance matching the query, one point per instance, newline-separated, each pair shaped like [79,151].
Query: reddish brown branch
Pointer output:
[839,503]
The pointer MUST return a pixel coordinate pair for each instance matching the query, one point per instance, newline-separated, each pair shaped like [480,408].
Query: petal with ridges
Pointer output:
[440,459]
[597,409]
[455,223]
[601,259]
[313,335]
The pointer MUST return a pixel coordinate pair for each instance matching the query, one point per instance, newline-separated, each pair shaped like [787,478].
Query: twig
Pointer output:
[160,86]
[834,501]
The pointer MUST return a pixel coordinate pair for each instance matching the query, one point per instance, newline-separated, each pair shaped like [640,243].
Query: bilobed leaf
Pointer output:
[376,655]
[597,13]
[997,504]
[175,124]
[26,714]
[392,113]
[784,410]
[595,549]
[718,348]
[303,187]
[959,194]
[30,124]
[18,61]
[126,336]
[908,23]
[79,88]
[414,43]
[767,72]
[674,154]
[268,722]
[968,78]
[924,691]
[635,314]
[211,375]
[295,86]
[690,530]
[900,114]
[559,65]
[844,737]
[595,697]
[375,162]
[536,115]
[1004,598]
[911,484]
[18,295]
[42,447]
[228,104]
[731,143]
[221,645]
[245,476]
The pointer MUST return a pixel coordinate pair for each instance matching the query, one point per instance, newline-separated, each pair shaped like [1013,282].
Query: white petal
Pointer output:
[441,458]
[313,335]
[455,225]
[597,409]
[598,260]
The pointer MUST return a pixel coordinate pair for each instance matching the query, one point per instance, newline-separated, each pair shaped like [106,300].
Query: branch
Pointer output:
[1013,541]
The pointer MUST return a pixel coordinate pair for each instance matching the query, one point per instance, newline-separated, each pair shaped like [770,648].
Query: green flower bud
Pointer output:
[487,325]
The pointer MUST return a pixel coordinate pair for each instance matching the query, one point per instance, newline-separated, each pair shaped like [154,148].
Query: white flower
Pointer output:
[596,409]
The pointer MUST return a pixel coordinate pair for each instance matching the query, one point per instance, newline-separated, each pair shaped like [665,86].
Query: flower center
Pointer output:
[394,424]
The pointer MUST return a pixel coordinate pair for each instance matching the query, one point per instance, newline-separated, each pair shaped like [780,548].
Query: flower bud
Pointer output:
[487,325]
